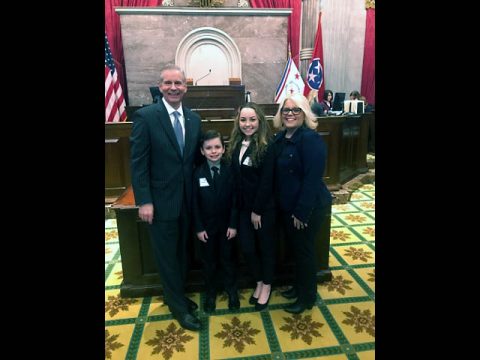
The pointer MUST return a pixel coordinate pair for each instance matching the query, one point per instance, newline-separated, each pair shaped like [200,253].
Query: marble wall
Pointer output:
[150,41]
[343,35]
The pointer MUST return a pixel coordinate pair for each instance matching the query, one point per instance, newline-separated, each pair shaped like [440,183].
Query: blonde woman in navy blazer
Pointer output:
[252,163]
[162,173]
[302,197]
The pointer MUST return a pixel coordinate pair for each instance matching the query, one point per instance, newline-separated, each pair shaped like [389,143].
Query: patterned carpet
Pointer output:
[340,326]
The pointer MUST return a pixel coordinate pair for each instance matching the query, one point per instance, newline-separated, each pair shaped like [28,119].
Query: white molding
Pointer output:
[201,11]
[209,36]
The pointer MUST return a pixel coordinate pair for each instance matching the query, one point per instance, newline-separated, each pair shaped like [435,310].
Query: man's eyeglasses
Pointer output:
[295,111]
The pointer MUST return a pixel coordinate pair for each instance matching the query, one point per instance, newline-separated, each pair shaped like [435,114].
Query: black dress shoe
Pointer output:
[210,304]
[233,301]
[297,307]
[192,305]
[188,321]
[260,307]
[290,293]
[252,300]
[324,276]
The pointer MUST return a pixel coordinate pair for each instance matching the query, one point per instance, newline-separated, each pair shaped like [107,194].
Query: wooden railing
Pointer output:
[346,138]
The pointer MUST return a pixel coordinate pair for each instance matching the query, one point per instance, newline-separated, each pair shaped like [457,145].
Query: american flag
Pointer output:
[114,100]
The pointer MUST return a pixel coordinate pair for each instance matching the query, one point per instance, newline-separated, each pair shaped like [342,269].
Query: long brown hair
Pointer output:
[259,139]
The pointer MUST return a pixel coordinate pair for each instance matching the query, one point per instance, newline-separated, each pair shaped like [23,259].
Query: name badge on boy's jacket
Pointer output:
[203,182]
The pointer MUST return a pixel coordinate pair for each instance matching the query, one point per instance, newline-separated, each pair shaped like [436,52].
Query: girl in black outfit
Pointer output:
[252,163]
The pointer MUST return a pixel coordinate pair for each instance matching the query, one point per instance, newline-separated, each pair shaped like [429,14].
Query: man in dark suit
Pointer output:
[164,147]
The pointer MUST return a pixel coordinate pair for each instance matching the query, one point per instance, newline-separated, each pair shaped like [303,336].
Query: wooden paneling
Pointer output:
[269,109]
[353,147]
[328,128]
[214,97]
[226,113]
[224,126]
[371,131]
[346,139]
[140,277]
[117,158]
[231,112]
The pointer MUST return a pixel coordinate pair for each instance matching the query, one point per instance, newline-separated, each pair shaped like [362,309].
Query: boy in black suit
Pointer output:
[215,219]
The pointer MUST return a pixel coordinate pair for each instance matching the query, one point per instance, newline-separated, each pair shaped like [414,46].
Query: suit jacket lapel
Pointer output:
[207,173]
[188,132]
[236,155]
[221,178]
[245,155]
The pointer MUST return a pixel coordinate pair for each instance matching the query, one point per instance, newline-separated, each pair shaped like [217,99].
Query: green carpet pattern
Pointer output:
[340,326]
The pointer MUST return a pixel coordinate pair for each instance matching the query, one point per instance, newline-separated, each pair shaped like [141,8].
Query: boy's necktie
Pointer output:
[215,177]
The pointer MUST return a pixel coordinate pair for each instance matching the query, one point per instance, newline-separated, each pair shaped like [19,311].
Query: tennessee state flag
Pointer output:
[290,83]
[315,73]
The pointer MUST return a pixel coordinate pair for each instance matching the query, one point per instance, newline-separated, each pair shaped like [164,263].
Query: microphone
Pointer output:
[204,76]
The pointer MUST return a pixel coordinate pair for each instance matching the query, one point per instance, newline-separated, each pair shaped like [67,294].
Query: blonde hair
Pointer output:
[312,96]
[300,101]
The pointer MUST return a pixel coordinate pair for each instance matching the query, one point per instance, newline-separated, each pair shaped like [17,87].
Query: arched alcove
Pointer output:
[208,48]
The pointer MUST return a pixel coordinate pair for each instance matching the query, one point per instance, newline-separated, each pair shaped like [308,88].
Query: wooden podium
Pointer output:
[217,101]
[140,277]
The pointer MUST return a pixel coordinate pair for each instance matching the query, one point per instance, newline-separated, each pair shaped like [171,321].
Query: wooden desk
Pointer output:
[371,131]
[346,138]
[117,158]
[214,96]
[140,277]
[231,112]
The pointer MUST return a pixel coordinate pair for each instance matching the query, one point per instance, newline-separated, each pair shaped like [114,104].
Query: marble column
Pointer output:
[310,10]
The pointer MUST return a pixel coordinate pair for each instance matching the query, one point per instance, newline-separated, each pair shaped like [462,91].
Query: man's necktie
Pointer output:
[215,177]
[177,127]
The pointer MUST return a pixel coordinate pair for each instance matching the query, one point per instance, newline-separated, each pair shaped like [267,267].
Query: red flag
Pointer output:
[114,100]
[315,73]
